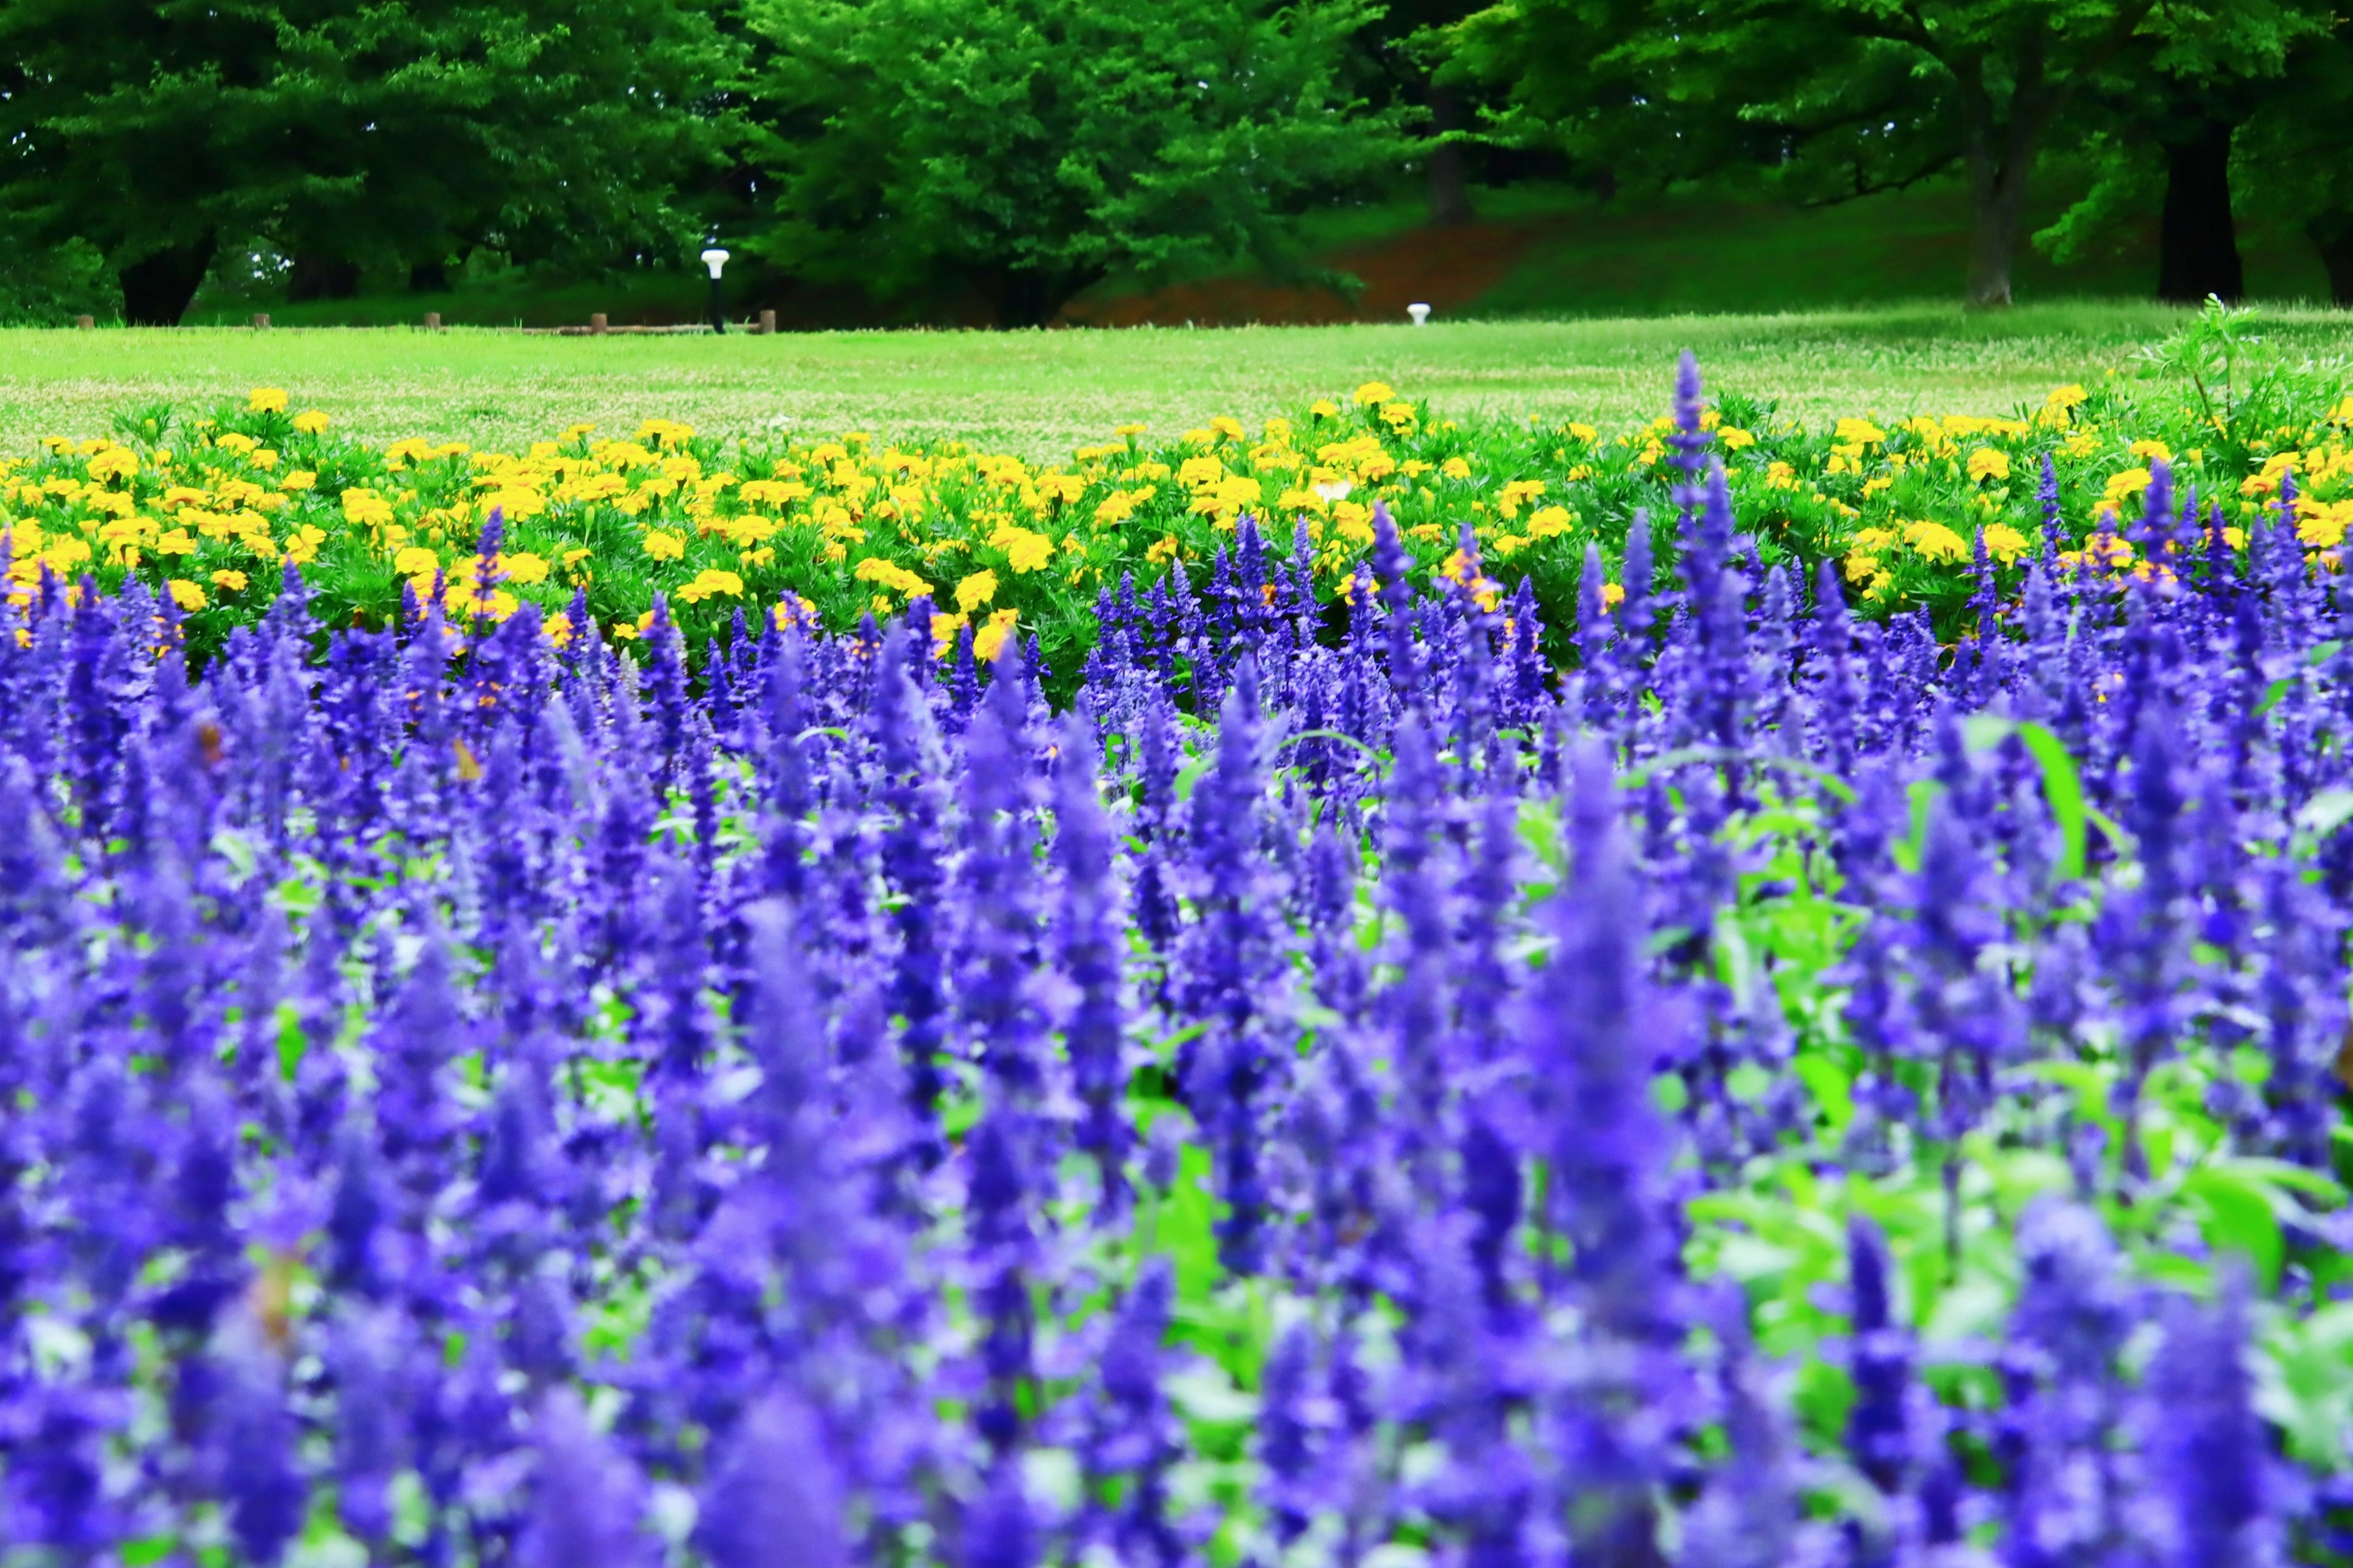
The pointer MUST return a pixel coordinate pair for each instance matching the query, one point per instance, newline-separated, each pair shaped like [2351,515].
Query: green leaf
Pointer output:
[1832,1086]
[2063,785]
[2236,1215]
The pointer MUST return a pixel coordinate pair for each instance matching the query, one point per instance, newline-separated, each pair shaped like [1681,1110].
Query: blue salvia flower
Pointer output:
[1233,970]
[908,753]
[1136,1439]
[996,885]
[1878,1427]
[585,1499]
[262,1488]
[364,1363]
[1088,950]
[1595,1034]
[1747,1517]
[999,1530]
[2210,1459]
[775,1499]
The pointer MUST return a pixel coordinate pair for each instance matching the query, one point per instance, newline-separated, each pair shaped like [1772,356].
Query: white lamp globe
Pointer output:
[714,258]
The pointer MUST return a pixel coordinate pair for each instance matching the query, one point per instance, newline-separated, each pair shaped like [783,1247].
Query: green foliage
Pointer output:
[157,132]
[1832,99]
[1024,149]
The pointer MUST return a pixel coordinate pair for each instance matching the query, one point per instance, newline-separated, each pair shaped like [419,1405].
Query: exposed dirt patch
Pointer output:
[1446,269]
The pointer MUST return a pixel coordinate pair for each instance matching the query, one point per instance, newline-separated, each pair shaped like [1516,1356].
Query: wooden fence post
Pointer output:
[432,320]
[84,322]
[768,323]
[260,321]
[597,326]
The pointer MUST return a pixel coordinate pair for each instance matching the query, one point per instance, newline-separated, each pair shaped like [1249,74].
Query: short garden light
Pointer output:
[1419,312]
[715,259]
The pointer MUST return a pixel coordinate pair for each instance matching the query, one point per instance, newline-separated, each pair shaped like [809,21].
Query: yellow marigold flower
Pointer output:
[558,630]
[415,561]
[1935,541]
[1165,549]
[1987,463]
[891,575]
[233,582]
[1026,550]
[116,463]
[266,400]
[522,566]
[976,590]
[1374,391]
[709,584]
[1324,408]
[1226,424]
[1124,431]
[1612,595]
[1518,490]
[2322,526]
[1398,416]
[311,422]
[176,541]
[1549,520]
[2004,542]
[2122,486]
[663,545]
[1581,432]
[364,508]
[185,594]
[1859,433]
[1734,437]
[989,641]
[1455,469]
[2152,449]
[303,544]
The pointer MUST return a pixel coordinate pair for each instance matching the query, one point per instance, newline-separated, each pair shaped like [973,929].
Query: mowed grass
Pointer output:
[1040,394]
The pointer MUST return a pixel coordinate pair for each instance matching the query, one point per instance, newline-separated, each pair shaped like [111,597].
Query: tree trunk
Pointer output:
[429,277]
[2333,234]
[319,277]
[157,287]
[1998,193]
[1999,155]
[1449,183]
[2198,248]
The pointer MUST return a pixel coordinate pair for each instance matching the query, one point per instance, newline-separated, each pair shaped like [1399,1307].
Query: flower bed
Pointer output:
[210,512]
[1780,1091]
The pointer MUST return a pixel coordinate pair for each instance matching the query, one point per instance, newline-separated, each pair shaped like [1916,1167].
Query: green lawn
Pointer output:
[1041,392]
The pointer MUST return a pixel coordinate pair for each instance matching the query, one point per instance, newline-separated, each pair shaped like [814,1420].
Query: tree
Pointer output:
[2290,155]
[1833,97]
[1026,149]
[348,131]
[2171,123]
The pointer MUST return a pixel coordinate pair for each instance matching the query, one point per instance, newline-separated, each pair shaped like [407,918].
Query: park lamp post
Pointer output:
[715,259]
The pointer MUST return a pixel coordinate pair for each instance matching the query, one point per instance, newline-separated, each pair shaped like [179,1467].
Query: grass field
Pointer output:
[1039,393]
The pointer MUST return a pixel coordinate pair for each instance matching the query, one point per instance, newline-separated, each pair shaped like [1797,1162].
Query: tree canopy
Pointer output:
[991,159]
[1833,98]
[343,130]
[1026,149]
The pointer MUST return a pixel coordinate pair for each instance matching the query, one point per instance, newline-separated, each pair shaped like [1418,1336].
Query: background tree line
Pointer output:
[997,157]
